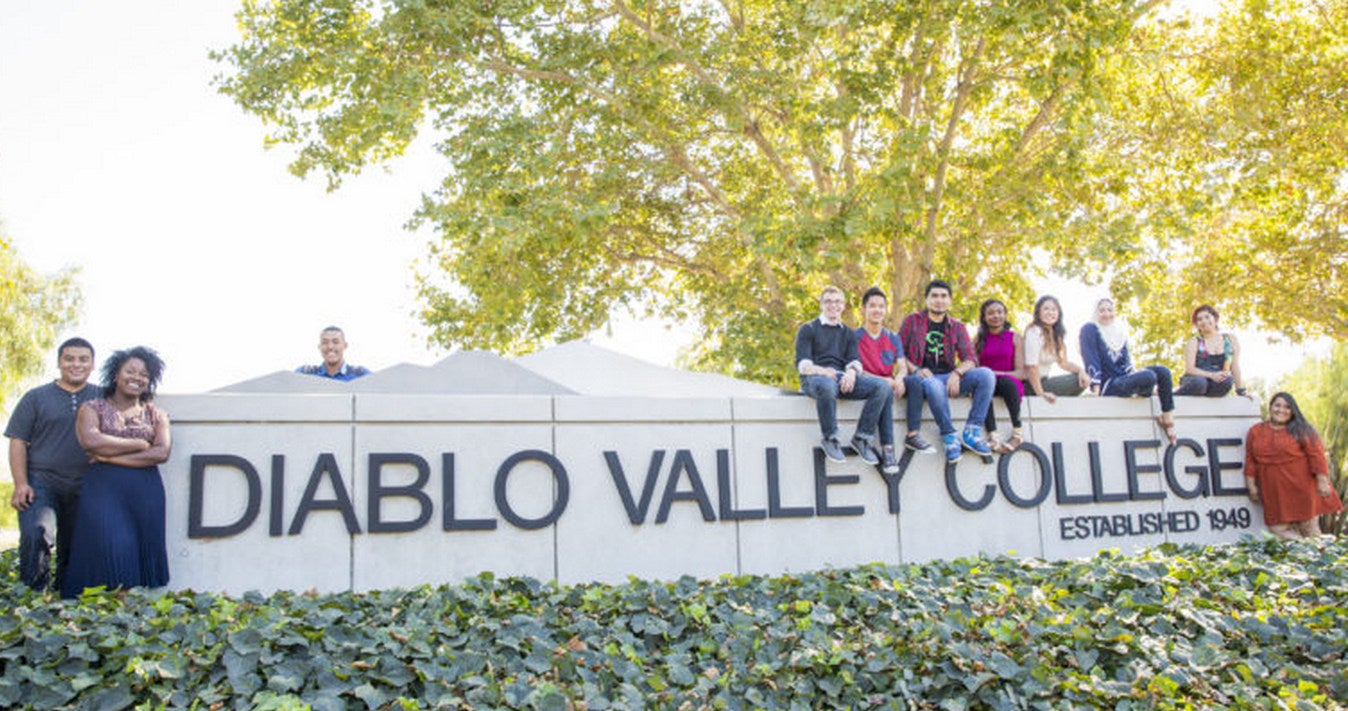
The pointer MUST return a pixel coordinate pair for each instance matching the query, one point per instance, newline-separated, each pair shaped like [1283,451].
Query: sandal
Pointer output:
[1168,428]
[1014,443]
[998,446]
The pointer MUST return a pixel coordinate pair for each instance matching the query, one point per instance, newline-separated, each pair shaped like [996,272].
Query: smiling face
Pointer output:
[75,364]
[1104,312]
[332,345]
[875,309]
[1206,322]
[1049,313]
[1280,412]
[994,315]
[133,379]
[832,303]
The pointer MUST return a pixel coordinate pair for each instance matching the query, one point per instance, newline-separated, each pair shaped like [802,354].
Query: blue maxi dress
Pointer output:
[119,529]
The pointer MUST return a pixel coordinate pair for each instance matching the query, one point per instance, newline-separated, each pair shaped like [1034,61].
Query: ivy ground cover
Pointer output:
[1260,624]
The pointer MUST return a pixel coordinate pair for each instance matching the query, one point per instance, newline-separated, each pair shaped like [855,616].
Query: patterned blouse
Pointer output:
[111,422]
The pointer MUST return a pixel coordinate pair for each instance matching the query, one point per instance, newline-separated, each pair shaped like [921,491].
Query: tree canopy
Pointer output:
[33,310]
[1230,172]
[723,161]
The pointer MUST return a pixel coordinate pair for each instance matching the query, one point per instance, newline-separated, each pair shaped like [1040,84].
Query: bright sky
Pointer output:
[119,157]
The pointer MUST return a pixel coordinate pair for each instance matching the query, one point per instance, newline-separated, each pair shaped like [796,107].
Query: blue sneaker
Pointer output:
[973,440]
[952,447]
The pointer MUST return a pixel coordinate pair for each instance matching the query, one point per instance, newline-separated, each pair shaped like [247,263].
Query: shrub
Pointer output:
[1260,624]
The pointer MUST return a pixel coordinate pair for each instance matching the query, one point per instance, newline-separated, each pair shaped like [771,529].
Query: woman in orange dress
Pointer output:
[1286,470]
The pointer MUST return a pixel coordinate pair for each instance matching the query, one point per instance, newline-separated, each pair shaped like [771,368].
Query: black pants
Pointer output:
[1005,388]
[1199,385]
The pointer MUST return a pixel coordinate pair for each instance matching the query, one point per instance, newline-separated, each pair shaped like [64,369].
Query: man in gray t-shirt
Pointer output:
[48,464]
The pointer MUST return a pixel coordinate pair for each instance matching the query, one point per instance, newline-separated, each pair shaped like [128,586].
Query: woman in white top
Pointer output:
[1046,346]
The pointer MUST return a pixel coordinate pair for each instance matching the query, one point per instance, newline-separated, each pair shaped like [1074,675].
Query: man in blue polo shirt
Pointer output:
[48,464]
[332,345]
[830,368]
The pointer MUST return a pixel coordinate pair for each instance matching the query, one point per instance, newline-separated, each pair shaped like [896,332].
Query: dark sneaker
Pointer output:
[833,450]
[918,443]
[952,447]
[864,447]
[973,440]
[888,464]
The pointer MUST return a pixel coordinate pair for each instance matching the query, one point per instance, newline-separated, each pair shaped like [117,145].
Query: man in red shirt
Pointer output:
[882,356]
[830,368]
[943,357]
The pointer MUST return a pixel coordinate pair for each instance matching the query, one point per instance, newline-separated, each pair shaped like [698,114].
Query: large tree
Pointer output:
[1226,180]
[33,310]
[719,161]
[722,161]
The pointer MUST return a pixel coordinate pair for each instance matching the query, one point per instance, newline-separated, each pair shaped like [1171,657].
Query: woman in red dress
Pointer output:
[1286,470]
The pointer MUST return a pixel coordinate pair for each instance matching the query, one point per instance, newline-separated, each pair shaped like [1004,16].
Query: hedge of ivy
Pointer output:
[1260,624]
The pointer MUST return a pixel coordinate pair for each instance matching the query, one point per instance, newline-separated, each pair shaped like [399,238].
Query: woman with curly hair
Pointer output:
[1001,350]
[119,530]
[1286,470]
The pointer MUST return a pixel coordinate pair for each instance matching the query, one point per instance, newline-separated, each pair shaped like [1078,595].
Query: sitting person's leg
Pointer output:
[824,391]
[879,399]
[990,422]
[934,391]
[1202,386]
[978,383]
[887,433]
[1165,386]
[1138,382]
[1194,385]
[1220,388]
[1006,388]
[1066,385]
[915,395]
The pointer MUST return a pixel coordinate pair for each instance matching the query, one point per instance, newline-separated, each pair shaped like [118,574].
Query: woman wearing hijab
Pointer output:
[1104,352]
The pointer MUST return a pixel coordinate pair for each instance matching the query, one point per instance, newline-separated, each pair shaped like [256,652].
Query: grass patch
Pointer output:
[1259,624]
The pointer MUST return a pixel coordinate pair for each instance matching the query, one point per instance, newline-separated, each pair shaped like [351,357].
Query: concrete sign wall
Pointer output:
[361,490]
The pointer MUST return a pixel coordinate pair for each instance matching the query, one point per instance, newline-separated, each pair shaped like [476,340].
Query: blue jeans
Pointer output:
[48,522]
[977,382]
[876,392]
[912,392]
[1142,382]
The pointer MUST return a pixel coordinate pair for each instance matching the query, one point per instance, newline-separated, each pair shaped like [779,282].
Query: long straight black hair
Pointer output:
[1298,426]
